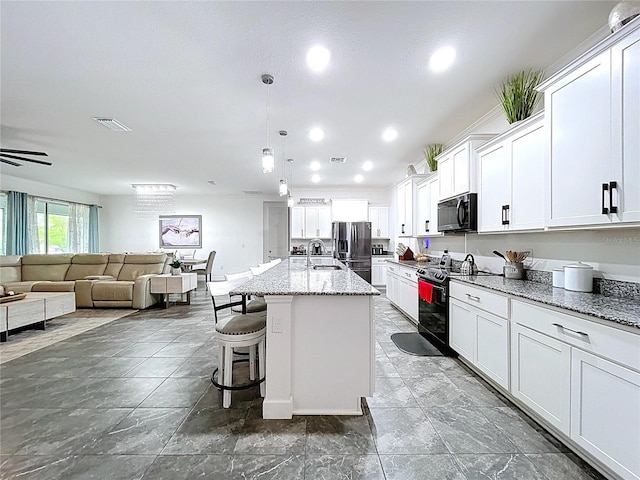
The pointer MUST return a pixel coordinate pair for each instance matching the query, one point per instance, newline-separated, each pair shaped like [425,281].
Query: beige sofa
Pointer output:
[98,279]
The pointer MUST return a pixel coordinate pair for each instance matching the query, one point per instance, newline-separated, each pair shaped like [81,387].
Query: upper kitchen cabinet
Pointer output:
[457,167]
[317,222]
[297,222]
[511,179]
[593,135]
[406,193]
[349,210]
[379,218]
[427,207]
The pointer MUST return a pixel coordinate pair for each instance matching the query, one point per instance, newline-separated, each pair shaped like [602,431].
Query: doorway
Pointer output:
[275,233]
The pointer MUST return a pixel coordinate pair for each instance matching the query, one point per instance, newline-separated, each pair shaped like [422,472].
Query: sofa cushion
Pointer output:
[112,291]
[136,265]
[20,287]
[10,268]
[53,287]
[45,266]
[116,260]
[85,264]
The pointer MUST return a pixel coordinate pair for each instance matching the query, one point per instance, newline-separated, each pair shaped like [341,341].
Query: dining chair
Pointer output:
[207,270]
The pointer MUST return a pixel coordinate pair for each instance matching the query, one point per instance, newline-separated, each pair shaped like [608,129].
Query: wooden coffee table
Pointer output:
[35,309]
[167,284]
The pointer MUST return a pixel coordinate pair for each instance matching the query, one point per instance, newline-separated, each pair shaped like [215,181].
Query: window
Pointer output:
[53,226]
[3,223]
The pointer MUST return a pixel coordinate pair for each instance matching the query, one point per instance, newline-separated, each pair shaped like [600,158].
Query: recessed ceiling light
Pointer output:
[316,134]
[390,134]
[358,178]
[442,59]
[315,166]
[367,166]
[315,178]
[318,58]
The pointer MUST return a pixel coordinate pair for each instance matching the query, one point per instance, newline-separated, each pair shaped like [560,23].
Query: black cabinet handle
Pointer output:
[426,225]
[505,214]
[612,208]
[402,228]
[605,188]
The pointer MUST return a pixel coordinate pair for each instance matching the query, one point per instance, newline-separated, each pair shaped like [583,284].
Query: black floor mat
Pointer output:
[415,344]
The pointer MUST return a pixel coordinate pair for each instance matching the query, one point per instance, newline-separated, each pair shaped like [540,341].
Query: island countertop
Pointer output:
[292,277]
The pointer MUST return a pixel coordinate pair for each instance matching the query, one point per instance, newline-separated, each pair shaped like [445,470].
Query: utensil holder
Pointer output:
[513,270]
[408,255]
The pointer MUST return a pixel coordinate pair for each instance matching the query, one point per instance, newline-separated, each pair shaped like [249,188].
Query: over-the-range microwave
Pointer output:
[458,214]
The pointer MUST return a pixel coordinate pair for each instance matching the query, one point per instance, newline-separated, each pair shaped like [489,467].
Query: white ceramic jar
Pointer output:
[558,277]
[578,277]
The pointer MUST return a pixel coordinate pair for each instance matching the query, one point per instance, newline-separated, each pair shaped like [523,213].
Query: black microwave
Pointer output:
[458,214]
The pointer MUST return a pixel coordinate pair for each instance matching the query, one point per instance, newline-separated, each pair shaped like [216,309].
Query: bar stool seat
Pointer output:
[240,331]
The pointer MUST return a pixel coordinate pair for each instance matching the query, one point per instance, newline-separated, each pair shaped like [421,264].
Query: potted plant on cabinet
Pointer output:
[176,266]
[431,152]
[518,95]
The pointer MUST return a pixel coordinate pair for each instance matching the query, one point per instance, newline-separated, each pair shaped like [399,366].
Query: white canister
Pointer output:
[578,277]
[558,277]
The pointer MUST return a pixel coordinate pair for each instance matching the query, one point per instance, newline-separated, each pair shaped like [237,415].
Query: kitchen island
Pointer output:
[320,357]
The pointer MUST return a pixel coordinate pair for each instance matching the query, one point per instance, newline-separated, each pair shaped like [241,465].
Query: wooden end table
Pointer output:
[167,284]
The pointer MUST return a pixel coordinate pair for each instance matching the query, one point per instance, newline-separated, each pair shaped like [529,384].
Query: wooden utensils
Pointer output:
[516,257]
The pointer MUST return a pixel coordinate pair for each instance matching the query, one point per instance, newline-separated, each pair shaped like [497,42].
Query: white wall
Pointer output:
[231,225]
[8,182]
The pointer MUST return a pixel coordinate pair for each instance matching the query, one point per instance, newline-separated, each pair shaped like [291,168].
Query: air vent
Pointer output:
[338,160]
[252,192]
[211,182]
[112,124]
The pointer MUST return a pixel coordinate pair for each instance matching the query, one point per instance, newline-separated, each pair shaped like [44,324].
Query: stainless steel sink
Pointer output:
[327,267]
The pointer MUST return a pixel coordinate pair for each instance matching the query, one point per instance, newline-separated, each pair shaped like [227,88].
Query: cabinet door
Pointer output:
[383,222]
[461,166]
[578,109]
[423,209]
[526,209]
[377,277]
[540,375]
[408,209]
[433,207]
[311,228]
[392,284]
[324,222]
[462,329]
[401,213]
[409,298]
[495,188]
[492,347]
[626,126]
[297,222]
[445,175]
[609,431]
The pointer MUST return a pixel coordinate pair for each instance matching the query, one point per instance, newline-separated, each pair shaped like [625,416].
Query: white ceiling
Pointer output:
[185,77]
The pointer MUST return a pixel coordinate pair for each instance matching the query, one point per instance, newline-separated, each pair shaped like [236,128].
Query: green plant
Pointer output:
[176,263]
[431,152]
[518,94]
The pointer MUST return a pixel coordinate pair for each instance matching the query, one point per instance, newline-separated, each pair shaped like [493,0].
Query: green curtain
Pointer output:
[17,224]
[94,233]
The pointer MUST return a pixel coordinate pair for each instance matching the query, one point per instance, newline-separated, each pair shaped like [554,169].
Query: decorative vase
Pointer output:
[176,270]
[622,14]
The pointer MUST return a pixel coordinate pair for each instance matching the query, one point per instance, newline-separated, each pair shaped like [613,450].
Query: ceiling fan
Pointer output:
[5,154]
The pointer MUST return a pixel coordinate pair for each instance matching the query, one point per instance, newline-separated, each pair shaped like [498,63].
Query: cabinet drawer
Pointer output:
[490,302]
[378,261]
[609,342]
[408,274]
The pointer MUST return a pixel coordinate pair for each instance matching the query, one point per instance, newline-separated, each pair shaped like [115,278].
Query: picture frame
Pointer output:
[180,231]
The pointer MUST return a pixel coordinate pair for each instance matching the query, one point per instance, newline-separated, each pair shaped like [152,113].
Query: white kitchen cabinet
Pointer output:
[592,126]
[349,210]
[317,222]
[540,372]
[297,222]
[379,218]
[608,431]
[457,167]
[511,179]
[393,279]
[378,272]
[427,208]
[402,289]
[479,330]
[406,198]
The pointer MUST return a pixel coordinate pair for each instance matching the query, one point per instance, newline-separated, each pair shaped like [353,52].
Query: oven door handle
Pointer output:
[442,289]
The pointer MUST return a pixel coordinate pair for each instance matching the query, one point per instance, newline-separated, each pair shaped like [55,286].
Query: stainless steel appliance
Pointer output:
[377,249]
[352,246]
[458,214]
[433,307]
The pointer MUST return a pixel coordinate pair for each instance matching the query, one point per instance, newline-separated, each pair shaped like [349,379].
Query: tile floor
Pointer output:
[131,399]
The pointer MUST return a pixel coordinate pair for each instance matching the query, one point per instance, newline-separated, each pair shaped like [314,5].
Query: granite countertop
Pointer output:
[292,277]
[622,310]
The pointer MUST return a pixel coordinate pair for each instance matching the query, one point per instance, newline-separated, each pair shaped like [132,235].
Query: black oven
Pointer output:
[458,214]
[433,309]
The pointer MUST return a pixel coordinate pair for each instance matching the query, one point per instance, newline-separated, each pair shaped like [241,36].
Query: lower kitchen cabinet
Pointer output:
[605,412]
[462,329]
[378,272]
[540,370]
[402,289]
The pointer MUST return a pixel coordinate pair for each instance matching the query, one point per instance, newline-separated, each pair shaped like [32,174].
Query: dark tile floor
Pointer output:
[132,399]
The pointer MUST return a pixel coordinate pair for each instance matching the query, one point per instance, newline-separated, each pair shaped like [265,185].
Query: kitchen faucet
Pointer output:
[314,241]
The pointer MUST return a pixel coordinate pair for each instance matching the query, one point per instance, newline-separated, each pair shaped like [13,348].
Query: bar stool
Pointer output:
[255,305]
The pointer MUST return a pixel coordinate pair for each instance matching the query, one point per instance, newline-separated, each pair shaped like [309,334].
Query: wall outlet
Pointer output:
[278,325]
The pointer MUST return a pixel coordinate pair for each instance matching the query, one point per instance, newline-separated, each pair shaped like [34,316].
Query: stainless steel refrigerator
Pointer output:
[352,246]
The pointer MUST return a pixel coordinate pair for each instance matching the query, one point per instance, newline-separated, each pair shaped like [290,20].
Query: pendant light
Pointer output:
[283,188]
[289,197]
[268,156]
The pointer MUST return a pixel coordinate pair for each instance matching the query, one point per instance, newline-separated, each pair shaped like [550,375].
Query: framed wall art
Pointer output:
[180,231]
